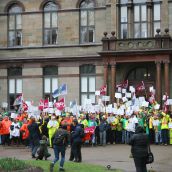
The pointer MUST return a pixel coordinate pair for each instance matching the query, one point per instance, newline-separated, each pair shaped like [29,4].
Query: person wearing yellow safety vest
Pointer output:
[170,129]
[151,129]
[164,128]
[52,126]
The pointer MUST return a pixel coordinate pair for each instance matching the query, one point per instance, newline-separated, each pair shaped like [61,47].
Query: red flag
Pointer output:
[103,90]
[24,106]
[60,105]
[140,87]
[123,84]
[46,103]
[41,105]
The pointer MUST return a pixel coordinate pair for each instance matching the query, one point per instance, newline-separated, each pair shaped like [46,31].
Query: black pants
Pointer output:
[5,139]
[140,164]
[76,150]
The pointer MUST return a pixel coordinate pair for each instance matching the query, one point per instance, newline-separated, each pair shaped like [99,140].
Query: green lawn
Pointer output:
[71,167]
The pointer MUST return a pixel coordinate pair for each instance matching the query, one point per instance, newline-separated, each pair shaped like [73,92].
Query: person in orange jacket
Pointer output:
[5,128]
[25,132]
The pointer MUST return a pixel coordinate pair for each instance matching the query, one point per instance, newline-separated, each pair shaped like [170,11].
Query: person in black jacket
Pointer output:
[139,149]
[34,136]
[76,141]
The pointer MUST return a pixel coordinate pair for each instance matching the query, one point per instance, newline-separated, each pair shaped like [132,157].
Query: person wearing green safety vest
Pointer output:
[164,127]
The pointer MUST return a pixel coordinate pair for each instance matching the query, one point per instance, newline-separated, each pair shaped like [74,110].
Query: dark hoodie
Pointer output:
[139,143]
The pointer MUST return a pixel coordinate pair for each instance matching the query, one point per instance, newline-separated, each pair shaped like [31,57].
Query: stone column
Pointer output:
[158,81]
[130,19]
[105,73]
[113,80]
[166,77]
[149,18]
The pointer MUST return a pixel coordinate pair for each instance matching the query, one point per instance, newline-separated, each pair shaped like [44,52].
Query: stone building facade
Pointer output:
[45,43]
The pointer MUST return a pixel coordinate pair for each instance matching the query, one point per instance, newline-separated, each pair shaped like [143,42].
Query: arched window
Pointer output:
[87,83]
[14,25]
[87,23]
[141,73]
[50,23]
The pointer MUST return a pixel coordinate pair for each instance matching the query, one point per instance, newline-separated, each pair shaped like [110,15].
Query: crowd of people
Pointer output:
[100,128]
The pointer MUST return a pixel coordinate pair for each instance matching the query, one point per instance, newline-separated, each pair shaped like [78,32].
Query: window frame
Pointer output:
[51,28]
[88,76]
[88,27]
[122,23]
[15,30]
[153,20]
[140,22]
[51,77]
[15,77]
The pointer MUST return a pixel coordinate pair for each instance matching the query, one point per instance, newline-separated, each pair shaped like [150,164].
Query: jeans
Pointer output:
[102,137]
[158,138]
[164,134]
[0,140]
[57,151]
[34,146]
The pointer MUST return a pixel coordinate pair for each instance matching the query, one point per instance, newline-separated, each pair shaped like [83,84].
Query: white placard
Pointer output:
[132,89]
[13,115]
[124,90]
[151,89]
[157,106]
[145,104]
[135,108]
[106,98]
[109,109]
[97,108]
[128,103]
[169,101]
[124,99]
[118,95]
[164,97]
[128,95]
[119,89]
[51,110]
[97,93]
[50,104]
[141,99]
[4,104]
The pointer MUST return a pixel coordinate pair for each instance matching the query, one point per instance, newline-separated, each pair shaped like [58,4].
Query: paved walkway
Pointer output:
[115,155]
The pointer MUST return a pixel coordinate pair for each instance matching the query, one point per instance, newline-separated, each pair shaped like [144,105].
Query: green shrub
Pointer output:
[9,164]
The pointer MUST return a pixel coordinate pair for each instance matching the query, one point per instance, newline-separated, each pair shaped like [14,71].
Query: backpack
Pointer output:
[59,139]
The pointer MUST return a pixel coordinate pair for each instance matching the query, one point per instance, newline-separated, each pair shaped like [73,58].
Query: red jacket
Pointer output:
[25,131]
[5,127]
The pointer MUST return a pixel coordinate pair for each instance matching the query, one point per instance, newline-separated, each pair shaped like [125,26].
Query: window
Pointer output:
[50,81]
[14,26]
[87,24]
[14,85]
[87,83]
[50,23]
[156,16]
[123,20]
[141,73]
[140,19]
[133,18]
